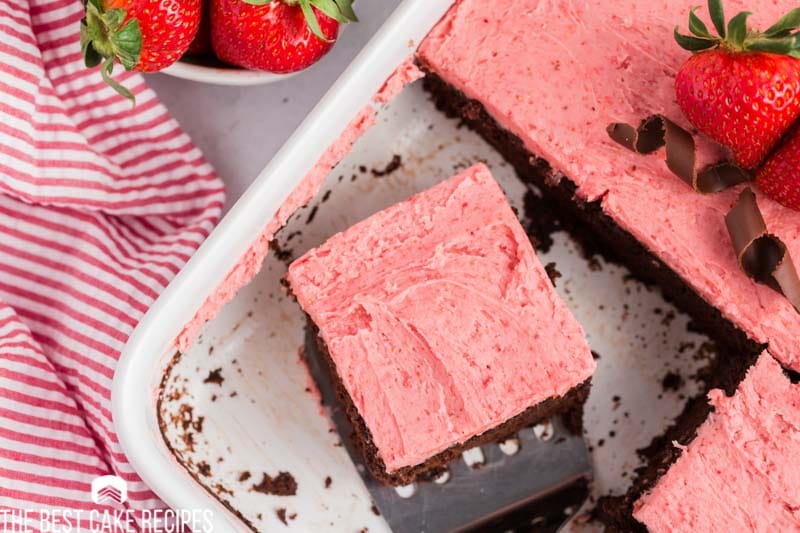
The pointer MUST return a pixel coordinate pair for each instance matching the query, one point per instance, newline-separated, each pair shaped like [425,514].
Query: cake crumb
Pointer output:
[312,214]
[672,381]
[393,165]
[204,469]
[221,489]
[215,377]
[283,484]
[375,510]
[328,482]
[281,513]
[244,476]
[552,272]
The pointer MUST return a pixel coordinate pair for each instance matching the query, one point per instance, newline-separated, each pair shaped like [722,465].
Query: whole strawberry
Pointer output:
[276,35]
[142,35]
[741,87]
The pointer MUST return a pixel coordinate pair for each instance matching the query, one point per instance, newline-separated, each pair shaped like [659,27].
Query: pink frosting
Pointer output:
[556,73]
[406,73]
[250,263]
[740,473]
[440,319]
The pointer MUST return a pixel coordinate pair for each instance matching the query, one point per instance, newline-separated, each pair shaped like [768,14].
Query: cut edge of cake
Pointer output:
[569,407]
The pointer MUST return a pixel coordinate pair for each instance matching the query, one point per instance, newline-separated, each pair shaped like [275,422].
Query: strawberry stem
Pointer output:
[106,38]
[781,38]
[339,10]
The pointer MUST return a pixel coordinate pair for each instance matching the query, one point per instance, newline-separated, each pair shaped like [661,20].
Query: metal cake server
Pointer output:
[538,487]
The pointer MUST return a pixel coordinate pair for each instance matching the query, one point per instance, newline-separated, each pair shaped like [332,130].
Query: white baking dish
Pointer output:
[272,423]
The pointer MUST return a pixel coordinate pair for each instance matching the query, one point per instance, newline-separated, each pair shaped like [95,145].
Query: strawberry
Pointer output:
[779,177]
[276,35]
[143,35]
[741,88]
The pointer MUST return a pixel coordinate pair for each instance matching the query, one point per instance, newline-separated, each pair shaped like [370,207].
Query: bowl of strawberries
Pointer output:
[225,42]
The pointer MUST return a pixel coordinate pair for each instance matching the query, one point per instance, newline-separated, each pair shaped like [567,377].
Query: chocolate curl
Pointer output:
[657,131]
[761,255]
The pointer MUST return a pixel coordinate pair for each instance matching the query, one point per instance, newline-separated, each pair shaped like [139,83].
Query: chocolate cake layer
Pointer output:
[598,233]
[570,405]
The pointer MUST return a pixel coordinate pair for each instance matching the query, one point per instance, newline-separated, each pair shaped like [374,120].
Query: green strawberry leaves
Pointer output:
[694,44]
[787,24]
[697,26]
[106,70]
[781,38]
[737,29]
[339,10]
[717,16]
[106,37]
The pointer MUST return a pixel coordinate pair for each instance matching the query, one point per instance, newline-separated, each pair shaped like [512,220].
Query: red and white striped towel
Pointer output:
[100,205]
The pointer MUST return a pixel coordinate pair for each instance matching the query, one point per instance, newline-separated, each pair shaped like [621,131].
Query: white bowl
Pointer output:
[218,73]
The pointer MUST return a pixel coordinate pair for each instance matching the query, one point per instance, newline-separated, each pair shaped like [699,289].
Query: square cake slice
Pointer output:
[739,473]
[441,326]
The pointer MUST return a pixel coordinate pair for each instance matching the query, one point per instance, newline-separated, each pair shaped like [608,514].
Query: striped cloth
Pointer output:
[100,205]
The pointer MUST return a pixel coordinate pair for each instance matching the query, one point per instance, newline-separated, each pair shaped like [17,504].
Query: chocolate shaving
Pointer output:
[657,131]
[761,255]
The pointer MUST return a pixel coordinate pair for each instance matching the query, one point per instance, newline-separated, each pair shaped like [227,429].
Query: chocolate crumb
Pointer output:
[393,165]
[362,169]
[281,512]
[326,196]
[221,489]
[244,476]
[375,510]
[328,482]
[204,468]
[672,381]
[552,272]
[312,214]
[215,377]
[668,318]
[292,516]
[594,264]
[595,355]
[283,484]
[260,516]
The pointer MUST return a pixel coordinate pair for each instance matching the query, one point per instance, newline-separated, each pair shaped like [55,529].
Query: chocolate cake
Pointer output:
[441,326]
[541,82]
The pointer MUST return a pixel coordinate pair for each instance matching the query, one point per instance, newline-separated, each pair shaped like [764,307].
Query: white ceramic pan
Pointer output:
[240,404]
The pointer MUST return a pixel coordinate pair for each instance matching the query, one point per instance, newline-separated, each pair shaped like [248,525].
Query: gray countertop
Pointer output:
[240,128]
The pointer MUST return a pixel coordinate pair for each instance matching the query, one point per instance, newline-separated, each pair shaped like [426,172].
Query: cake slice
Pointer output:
[441,326]
[738,474]
[541,80]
